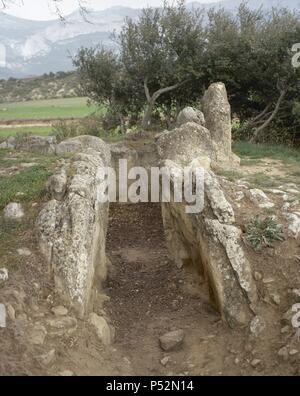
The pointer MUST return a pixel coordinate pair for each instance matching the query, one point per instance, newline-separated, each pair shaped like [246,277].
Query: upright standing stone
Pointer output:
[217,113]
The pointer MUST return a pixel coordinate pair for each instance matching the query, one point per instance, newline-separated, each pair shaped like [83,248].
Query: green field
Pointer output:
[40,130]
[46,109]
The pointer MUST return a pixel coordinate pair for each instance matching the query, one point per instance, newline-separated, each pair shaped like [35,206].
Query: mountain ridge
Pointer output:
[38,47]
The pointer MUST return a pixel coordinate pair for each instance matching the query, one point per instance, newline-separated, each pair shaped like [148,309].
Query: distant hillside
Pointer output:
[34,48]
[50,86]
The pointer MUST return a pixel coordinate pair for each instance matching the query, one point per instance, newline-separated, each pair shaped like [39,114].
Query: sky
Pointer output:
[44,9]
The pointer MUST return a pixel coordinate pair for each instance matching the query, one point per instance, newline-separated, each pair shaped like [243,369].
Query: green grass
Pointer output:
[254,152]
[40,130]
[46,109]
[29,181]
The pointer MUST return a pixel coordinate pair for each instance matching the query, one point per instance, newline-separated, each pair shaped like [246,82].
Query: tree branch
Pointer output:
[258,130]
[161,91]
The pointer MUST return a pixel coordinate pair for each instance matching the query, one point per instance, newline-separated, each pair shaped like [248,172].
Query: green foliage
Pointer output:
[94,125]
[64,130]
[168,57]
[263,233]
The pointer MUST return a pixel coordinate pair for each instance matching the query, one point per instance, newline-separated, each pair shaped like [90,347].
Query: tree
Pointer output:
[250,53]
[103,79]
[160,51]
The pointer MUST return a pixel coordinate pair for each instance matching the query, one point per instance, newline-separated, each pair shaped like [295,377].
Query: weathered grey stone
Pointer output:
[3,275]
[171,341]
[2,316]
[37,335]
[189,114]
[62,325]
[217,114]
[13,211]
[164,361]
[24,252]
[9,143]
[283,353]
[72,231]
[59,311]
[11,313]
[81,144]
[66,373]
[294,224]
[102,329]
[48,358]
[257,325]
[259,198]
[36,144]
[182,145]
[213,244]
[255,363]
[57,185]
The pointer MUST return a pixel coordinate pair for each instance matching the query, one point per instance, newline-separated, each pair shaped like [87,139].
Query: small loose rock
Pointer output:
[165,361]
[13,211]
[66,373]
[257,325]
[2,316]
[283,353]
[3,275]
[102,328]
[48,358]
[24,252]
[171,341]
[59,311]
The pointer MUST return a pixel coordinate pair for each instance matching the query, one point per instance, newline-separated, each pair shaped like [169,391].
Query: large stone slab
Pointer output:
[72,227]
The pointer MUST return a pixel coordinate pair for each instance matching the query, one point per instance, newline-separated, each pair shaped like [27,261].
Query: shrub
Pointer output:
[263,232]
[64,130]
[91,125]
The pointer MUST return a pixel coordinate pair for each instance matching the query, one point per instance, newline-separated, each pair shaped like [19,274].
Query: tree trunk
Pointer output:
[270,119]
[148,114]
[151,100]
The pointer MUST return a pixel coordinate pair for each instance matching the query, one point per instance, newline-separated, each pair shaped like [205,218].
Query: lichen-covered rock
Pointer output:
[172,341]
[261,199]
[14,211]
[57,185]
[212,243]
[36,144]
[189,114]
[72,226]
[217,113]
[102,329]
[293,224]
[183,144]
[3,275]
[81,143]
[9,143]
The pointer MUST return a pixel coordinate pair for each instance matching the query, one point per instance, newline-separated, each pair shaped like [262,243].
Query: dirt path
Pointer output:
[150,296]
